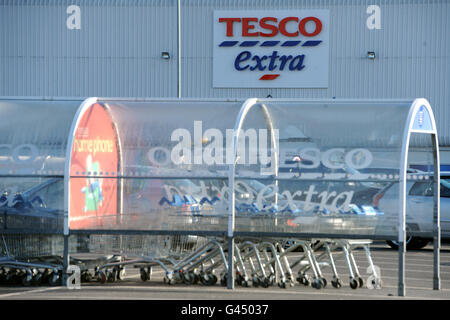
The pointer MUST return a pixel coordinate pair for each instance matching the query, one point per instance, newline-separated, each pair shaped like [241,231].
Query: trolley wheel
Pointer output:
[204,278]
[168,280]
[336,283]
[121,273]
[37,279]
[9,276]
[45,276]
[282,284]
[111,276]
[196,278]
[212,279]
[324,282]
[144,275]
[101,277]
[224,280]
[265,283]
[17,277]
[245,283]
[360,282]
[353,283]
[96,268]
[271,279]
[208,279]
[86,277]
[53,279]
[288,277]
[178,276]
[255,281]
[239,279]
[317,283]
[188,278]
[185,278]
[376,283]
[26,279]
[304,280]
[2,275]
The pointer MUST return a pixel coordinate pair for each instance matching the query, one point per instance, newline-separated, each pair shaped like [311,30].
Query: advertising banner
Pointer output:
[93,200]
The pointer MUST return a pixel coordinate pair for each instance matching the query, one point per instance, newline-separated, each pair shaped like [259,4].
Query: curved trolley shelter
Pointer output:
[33,142]
[262,167]
[343,143]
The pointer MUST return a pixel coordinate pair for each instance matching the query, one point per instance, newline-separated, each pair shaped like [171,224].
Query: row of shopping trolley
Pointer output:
[258,262]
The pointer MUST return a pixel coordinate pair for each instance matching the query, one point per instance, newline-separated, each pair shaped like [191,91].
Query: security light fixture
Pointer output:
[371,55]
[165,55]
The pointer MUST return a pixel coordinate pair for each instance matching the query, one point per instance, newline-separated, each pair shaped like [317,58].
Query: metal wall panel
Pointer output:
[117,51]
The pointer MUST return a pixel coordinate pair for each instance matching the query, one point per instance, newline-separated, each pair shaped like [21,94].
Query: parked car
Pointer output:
[419,206]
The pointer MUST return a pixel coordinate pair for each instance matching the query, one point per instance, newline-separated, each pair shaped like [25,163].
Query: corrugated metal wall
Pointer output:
[412,48]
[117,52]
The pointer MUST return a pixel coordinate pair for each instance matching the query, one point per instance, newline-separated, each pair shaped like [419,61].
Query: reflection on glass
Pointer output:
[32,203]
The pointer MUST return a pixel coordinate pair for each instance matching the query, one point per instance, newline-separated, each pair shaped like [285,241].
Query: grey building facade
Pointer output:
[165,48]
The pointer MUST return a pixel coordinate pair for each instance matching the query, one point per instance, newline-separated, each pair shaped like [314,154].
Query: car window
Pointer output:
[52,195]
[445,188]
[187,186]
[421,188]
[426,188]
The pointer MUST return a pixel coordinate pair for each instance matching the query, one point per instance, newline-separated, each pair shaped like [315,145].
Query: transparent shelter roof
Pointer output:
[33,143]
[255,168]
[150,132]
[331,135]
[292,166]
[33,135]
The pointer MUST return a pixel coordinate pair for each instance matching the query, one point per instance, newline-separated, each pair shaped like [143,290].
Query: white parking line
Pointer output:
[265,291]
[376,256]
[28,292]
[407,269]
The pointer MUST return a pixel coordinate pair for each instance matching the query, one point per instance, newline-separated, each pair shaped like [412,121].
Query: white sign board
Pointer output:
[271,49]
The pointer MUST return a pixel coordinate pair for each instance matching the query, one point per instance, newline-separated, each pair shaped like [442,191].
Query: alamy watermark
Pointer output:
[74,278]
[212,147]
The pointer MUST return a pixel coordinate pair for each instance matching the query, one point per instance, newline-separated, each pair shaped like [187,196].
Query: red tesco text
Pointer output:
[270,26]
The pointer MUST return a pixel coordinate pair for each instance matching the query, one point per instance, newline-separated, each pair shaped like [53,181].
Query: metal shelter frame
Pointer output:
[417,107]
[408,130]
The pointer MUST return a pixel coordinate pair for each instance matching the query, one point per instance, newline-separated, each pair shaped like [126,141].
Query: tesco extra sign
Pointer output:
[271,49]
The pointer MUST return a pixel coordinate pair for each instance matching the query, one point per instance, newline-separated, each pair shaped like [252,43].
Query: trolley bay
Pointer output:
[419,267]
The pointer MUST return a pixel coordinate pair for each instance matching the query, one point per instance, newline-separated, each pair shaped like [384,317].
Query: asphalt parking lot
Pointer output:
[419,273]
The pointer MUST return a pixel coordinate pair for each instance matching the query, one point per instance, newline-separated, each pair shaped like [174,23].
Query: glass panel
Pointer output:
[165,139]
[33,247]
[35,204]
[135,246]
[156,204]
[420,186]
[28,246]
[335,159]
[167,160]
[296,206]
[353,138]
[33,136]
